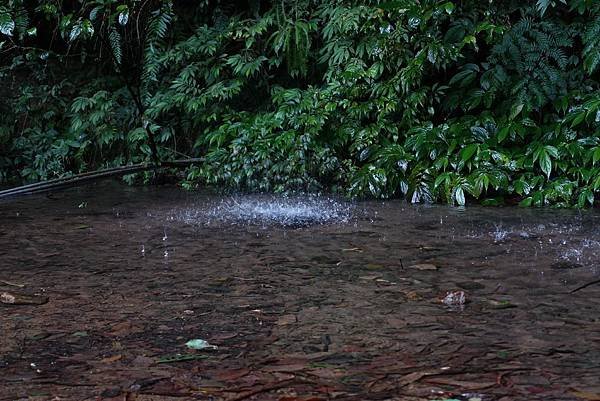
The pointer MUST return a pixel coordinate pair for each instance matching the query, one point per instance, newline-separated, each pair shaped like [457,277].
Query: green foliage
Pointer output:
[431,100]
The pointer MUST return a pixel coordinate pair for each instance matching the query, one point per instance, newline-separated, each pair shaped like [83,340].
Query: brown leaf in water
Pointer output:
[461,384]
[10,283]
[221,337]
[413,296]
[123,329]
[233,374]
[423,266]
[285,320]
[292,367]
[413,377]
[586,395]
[396,322]
[142,361]
[328,373]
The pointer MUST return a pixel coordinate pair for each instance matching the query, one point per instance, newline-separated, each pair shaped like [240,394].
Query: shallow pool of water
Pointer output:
[326,294]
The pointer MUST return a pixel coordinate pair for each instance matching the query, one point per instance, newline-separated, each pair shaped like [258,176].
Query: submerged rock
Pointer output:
[20,299]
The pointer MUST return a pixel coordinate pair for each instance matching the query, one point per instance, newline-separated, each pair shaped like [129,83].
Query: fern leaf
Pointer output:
[114,40]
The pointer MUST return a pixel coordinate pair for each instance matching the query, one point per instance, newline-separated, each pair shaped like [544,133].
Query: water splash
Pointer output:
[500,233]
[269,210]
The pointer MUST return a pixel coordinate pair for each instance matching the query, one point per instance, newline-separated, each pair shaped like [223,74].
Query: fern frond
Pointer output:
[591,41]
[156,33]
[114,39]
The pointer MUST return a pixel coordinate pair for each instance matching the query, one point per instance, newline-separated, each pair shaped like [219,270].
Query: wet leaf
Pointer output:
[423,266]
[412,377]
[503,304]
[461,384]
[223,337]
[124,328]
[369,277]
[286,319]
[413,296]
[199,344]
[292,367]
[586,395]
[232,374]
[352,250]
[10,283]
[111,359]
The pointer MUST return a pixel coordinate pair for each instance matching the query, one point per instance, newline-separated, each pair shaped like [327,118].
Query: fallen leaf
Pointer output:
[142,361]
[413,296]
[123,329]
[199,343]
[285,320]
[500,304]
[328,373]
[423,266]
[413,377]
[586,395]
[232,374]
[461,384]
[12,284]
[223,336]
[371,277]
[352,250]
[396,322]
[292,367]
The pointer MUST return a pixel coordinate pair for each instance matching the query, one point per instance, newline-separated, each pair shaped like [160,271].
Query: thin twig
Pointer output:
[586,285]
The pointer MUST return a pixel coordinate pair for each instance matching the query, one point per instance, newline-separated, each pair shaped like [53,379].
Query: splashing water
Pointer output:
[287,211]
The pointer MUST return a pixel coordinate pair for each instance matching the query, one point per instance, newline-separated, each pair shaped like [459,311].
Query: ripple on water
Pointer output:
[287,211]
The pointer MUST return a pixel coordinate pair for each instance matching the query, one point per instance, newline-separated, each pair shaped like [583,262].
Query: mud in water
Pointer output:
[347,307]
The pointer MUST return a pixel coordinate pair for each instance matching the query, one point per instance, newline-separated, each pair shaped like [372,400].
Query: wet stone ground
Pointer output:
[346,309]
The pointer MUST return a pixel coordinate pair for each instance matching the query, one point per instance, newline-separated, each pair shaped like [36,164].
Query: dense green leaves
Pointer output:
[431,100]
